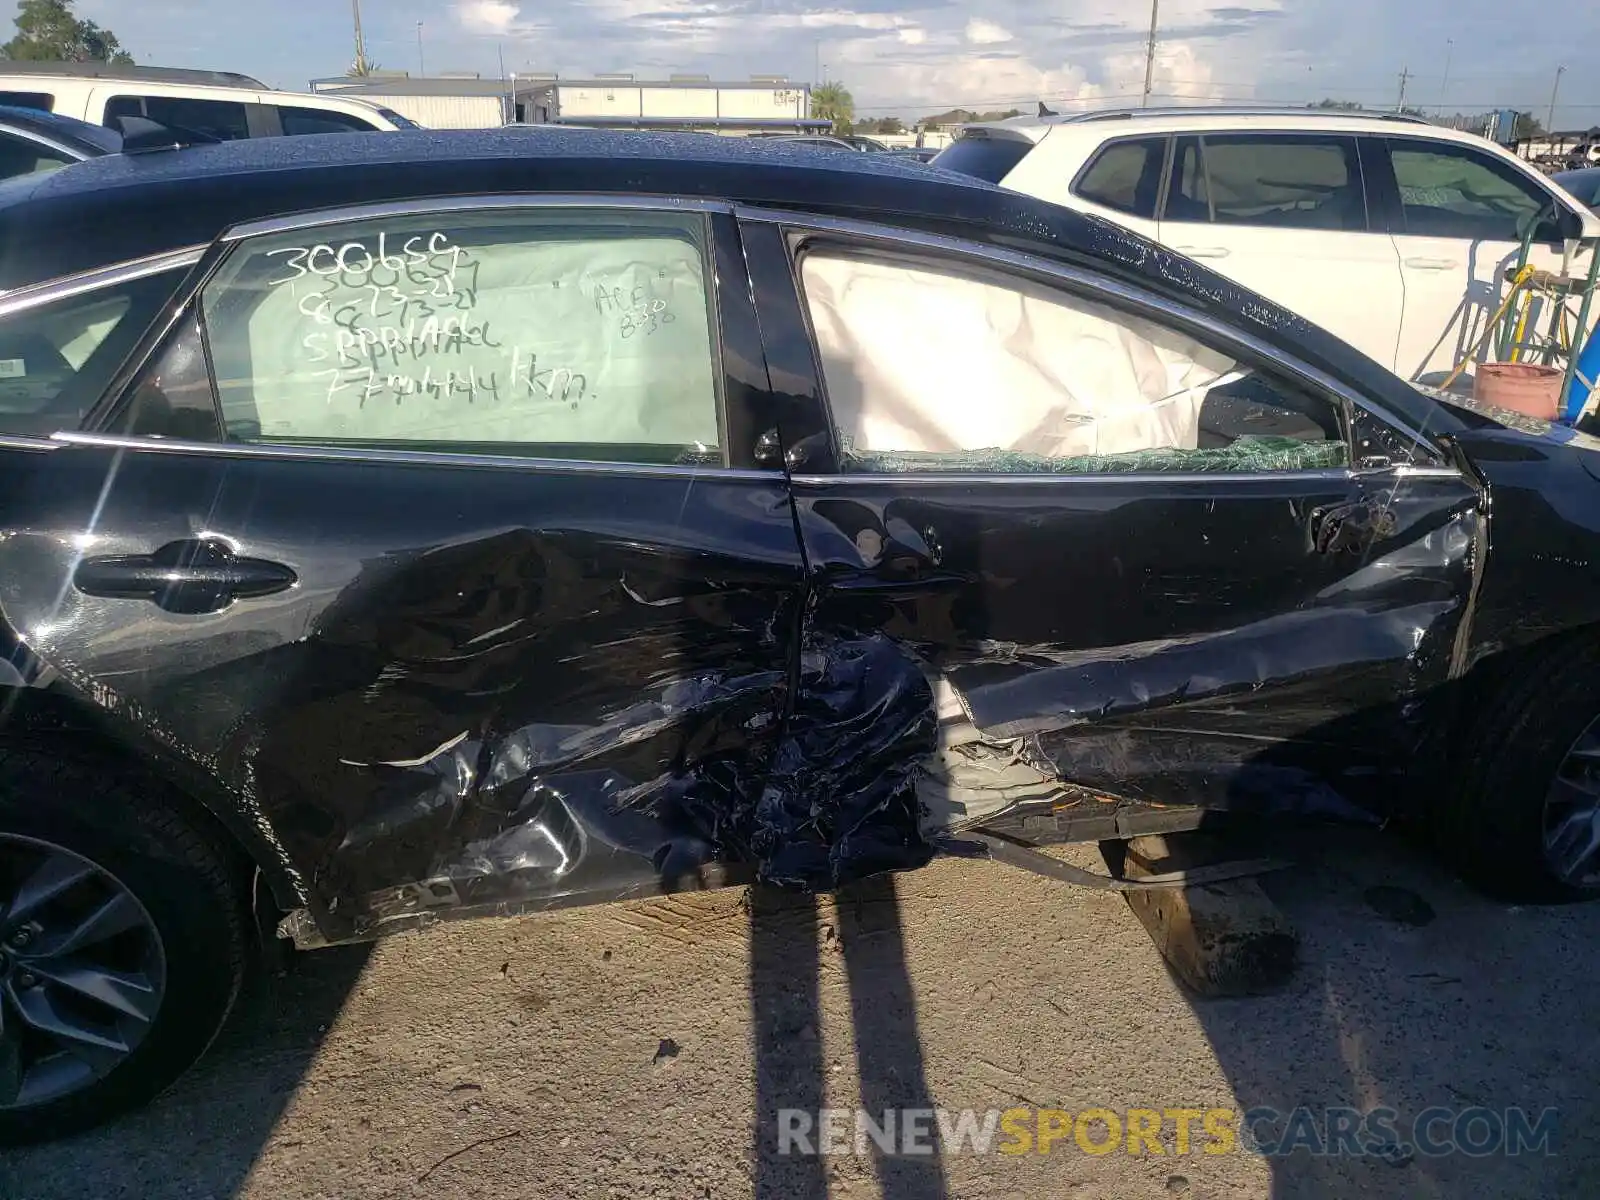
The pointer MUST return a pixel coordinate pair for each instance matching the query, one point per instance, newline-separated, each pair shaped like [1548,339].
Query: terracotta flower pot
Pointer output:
[1527,388]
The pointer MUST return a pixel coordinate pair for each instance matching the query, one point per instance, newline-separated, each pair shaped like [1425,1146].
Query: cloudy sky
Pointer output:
[910,57]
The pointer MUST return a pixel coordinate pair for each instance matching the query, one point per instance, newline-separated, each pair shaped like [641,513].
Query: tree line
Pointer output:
[49,31]
[833,102]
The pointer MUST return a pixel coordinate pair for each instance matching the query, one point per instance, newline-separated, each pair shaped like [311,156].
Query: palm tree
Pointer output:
[833,102]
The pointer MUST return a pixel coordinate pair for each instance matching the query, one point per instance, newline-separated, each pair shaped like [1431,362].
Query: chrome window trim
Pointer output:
[39,139]
[470,203]
[1084,281]
[22,441]
[37,294]
[419,458]
[1344,474]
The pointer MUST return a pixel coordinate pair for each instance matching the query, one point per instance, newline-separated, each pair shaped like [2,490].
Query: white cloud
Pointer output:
[1181,73]
[487,16]
[986,33]
[835,17]
[900,56]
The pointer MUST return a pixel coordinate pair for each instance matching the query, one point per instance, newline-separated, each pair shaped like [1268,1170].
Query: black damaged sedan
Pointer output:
[437,525]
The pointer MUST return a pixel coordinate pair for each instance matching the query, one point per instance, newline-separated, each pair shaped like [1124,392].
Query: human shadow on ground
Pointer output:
[1416,995]
[791,1074]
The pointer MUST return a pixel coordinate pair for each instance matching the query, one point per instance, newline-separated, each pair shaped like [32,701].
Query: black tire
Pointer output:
[147,839]
[1488,819]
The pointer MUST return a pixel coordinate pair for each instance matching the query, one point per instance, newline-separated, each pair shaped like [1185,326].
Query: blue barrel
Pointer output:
[1588,369]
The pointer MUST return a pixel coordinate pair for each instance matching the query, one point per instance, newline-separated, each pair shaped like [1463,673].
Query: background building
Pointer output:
[760,104]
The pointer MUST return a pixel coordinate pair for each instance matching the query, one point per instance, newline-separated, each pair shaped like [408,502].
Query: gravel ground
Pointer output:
[643,1049]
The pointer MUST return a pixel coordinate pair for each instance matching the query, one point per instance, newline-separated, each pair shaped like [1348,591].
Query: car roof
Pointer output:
[69,131]
[1103,123]
[118,208]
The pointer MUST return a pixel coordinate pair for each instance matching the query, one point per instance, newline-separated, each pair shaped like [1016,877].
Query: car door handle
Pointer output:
[196,575]
[1350,528]
[1203,251]
[1431,264]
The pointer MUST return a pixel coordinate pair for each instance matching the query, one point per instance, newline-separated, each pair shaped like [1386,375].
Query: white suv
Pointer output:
[218,103]
[1385,230]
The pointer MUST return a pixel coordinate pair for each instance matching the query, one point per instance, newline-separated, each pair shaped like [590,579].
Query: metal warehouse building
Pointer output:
[760,104]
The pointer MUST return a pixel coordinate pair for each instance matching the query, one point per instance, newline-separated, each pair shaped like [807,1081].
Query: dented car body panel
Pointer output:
[1193,646]
[448,685]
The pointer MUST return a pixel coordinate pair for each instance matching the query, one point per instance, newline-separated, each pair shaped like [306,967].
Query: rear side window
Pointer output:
[1276,181]
[21,156]
[1456,192]
[43,101]
[557,334]
[56,360]
[982,157]
[297,121]
[221,119]
[1125,176]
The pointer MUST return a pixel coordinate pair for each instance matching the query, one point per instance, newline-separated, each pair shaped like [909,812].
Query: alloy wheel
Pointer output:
[1572,814]
[82,972]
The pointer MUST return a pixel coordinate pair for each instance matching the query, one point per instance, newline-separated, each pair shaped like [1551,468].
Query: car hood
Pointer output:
[1506,427]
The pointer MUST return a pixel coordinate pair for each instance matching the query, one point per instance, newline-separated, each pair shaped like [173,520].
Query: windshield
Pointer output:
[988,158]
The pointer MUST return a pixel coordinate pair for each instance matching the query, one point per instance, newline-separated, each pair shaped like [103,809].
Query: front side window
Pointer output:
[1457,192]
[1126,176]
[56,360]
[298,121]
[935,367]
[554,334]
[1273,181]
[221,119]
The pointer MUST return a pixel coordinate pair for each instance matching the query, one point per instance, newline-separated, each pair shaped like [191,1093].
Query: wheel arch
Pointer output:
[44,716]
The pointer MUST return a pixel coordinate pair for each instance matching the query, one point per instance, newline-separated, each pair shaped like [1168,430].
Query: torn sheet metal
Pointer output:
[1301,639]
[841,801]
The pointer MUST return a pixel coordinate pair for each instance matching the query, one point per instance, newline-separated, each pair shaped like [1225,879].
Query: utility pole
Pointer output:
[361,66]
[1550,121]
[1405,74]
[1449,47]
[422,66]
[1150,55]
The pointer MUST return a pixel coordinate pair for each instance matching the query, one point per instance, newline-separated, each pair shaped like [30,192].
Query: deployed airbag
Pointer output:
[936,360]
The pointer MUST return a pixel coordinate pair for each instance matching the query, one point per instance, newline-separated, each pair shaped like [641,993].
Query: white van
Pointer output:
[219,103]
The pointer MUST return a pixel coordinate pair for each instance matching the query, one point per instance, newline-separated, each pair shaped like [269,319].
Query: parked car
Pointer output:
[424,532]
[34,142]
[1584,184]
[219,104]
[1391,233]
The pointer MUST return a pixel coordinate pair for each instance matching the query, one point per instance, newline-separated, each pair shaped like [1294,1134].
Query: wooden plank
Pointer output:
[1221,939]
